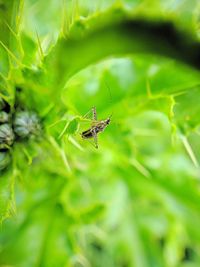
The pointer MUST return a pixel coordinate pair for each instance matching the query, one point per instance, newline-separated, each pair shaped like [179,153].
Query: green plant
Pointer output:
[135,200]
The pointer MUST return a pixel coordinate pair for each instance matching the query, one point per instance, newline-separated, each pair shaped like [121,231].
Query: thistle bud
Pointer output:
[26,124]
[6,136]
[4,117]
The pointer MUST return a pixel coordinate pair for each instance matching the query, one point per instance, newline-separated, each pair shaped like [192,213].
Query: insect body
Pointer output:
[96,127]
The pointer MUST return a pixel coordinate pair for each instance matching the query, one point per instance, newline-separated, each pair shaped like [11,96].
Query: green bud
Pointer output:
[4,160]
[6,136]
[26,124]
[4,117]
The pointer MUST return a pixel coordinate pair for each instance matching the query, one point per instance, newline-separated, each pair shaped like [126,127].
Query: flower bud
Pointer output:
[6,136]
[26,124]
[4,117]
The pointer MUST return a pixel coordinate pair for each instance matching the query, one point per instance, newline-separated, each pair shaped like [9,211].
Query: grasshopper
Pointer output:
[96,127]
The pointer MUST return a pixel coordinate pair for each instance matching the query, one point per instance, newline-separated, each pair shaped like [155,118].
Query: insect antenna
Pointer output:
[111,100]
[114,122]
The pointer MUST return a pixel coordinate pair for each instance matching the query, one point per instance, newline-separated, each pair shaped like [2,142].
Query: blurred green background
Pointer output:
[135,201]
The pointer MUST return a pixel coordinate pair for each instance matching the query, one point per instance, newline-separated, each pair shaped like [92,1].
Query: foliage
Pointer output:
[135,200]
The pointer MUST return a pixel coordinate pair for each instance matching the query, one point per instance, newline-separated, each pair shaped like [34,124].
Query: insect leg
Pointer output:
[89,112]
[94,144]
[95,138]
[94,111]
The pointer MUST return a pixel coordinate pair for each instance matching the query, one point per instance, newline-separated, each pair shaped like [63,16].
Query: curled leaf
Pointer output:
[4,160]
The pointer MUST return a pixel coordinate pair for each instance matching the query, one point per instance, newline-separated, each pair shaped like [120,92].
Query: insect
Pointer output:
[96,127]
